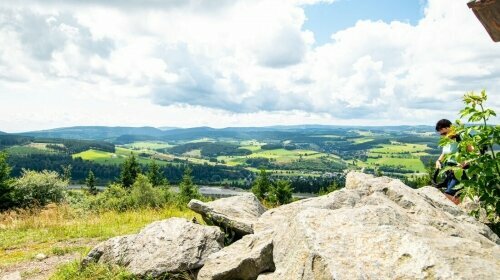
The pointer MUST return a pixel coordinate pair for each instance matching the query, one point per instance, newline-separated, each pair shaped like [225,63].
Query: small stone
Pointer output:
[40,257]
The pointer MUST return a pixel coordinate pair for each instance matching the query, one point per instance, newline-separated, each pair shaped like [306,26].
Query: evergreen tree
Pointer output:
[187,189]
[6,199]
[90,183]
[129,171]
[331,188]
[155,175]
[281,193]
[262,185]
[67,172]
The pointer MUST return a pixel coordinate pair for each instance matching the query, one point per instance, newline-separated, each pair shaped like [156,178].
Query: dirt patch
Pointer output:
[43,269]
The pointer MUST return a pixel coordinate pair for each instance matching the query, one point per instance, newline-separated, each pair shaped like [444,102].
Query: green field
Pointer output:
[148,145]
[297,162]
[361,140]
[400,148]
[29,149]
[402,155]
[414,164]
[280,156]
[118,157]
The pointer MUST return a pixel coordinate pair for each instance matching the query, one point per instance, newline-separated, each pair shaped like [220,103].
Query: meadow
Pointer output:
[64,230]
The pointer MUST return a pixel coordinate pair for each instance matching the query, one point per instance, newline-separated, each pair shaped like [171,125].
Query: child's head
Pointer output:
[443,127]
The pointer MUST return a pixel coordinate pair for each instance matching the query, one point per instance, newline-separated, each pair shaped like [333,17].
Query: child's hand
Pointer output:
[438,164]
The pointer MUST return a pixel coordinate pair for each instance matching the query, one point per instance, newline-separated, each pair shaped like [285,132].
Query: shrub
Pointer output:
[114,197]
[482,178]
[143,193]
[39,188]
[6,199]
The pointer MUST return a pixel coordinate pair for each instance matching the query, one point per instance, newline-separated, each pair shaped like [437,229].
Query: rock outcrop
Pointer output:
[374,228]
[162,248]
[378,228]
[237,213]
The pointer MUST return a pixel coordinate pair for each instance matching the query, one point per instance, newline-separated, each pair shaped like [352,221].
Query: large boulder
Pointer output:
[378,228]
[162,248]
[237,213]
[245,259]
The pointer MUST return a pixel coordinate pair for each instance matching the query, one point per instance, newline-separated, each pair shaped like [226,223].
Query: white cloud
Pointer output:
[231,61]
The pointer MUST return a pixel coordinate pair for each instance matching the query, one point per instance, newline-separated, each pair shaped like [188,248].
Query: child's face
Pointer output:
[444,131]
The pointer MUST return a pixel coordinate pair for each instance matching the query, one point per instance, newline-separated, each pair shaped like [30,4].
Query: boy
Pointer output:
[445,130]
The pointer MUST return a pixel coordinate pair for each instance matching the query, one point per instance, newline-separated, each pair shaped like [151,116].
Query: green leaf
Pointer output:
[458,173]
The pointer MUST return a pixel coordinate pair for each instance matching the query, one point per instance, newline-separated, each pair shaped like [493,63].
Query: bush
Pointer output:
[6,199]
[38,188]
[114,197]
[143,193]
[476,149]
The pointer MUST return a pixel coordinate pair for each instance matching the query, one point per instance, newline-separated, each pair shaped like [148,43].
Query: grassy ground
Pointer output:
[61,229]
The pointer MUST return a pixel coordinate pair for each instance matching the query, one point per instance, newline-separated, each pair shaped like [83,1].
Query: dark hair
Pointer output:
[444,123]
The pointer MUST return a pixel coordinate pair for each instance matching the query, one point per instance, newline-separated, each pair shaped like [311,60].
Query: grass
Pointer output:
[73,271]
[50,231]
[94,271]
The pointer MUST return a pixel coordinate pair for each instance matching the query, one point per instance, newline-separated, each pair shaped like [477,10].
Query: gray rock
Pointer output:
[378,228]
[238,213]
[244,259]
[170,246]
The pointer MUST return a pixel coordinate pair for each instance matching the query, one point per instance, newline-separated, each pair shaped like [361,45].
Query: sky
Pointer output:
[188,63]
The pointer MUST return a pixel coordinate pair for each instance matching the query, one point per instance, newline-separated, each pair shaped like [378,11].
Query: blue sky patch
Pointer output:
[325,19]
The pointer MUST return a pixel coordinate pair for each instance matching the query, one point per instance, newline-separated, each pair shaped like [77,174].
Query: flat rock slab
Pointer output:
[245,259]
[165,247]
[238,213]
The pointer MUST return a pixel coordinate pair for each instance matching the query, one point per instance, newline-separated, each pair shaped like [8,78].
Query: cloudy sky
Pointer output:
[222,63]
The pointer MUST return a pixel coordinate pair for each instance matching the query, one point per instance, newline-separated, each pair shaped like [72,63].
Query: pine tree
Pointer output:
[187,189]
[262,185]
[6,200]
[155,175]
[67,172]
[90,183]
[281,193]
[129,171]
